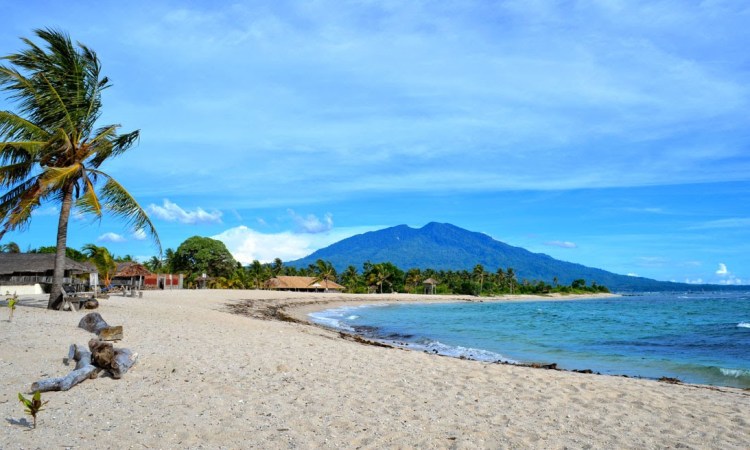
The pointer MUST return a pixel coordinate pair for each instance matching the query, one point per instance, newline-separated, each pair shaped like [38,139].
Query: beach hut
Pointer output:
[32,273]
[429,286]
[130,275]
[302,284]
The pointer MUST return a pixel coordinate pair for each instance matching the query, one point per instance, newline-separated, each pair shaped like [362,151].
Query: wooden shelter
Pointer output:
[302,284]
[130,275]
[30,273]
[429,286]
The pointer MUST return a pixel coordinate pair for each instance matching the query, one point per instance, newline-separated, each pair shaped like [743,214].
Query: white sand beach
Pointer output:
[208,378]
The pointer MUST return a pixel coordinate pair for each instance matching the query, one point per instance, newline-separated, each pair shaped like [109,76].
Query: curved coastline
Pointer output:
[233,381]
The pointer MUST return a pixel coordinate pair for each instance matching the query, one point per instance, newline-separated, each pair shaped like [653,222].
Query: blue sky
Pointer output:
[609,133]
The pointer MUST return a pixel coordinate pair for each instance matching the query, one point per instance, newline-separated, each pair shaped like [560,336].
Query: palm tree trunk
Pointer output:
[55,296]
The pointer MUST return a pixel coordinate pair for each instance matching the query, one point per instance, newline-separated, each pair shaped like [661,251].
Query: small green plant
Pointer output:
[12,306]
[34,405]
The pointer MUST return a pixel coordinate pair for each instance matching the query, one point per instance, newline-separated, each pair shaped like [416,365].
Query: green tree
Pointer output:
[257,273]
[350,278]
[511,278]
[413,278]
[103,261]
[324,273]
[378,275]
[199,255]
[51,150]
[277,267]
[10,247]
[479,274]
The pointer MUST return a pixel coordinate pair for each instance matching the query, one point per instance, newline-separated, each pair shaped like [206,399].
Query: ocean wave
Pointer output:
[735,373]
[743,325]
[456,351]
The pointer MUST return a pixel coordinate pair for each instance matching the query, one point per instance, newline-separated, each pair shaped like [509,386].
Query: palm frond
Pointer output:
[108,144]
[89,202]
[119,201]
[13,126]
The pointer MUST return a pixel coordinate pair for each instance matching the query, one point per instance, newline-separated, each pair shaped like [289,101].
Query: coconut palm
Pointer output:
[50,148]
[10,247]
[324,272]
[103,261]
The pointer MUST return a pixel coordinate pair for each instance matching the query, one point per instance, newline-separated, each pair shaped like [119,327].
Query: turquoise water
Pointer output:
[698,338]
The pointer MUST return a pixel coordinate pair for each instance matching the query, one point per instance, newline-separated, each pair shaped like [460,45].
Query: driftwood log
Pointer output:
[117,361]
[83,371]
[94,323]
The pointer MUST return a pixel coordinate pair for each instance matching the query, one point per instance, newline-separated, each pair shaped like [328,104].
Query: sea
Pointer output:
[696,337]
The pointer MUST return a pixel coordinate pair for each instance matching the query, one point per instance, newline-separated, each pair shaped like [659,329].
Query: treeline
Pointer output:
[199,256]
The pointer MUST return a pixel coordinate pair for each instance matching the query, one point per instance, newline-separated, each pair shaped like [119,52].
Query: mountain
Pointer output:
[443,246]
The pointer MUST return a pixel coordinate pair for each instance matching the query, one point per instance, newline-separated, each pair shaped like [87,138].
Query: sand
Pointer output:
[207,378]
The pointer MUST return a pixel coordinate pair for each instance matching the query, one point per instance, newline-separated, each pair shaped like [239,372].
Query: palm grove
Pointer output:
[51,147]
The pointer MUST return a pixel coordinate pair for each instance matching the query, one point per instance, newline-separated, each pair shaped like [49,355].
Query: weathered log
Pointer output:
[111,333]
[92,322]
[124,360]
[83,370]
[64,383]
[102,353]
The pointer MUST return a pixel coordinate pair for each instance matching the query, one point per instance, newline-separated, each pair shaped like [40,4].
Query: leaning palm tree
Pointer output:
[50,148]
[103,261]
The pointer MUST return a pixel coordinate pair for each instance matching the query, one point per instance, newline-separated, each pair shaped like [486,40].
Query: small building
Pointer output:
[429,286]
[163,281]
[130,275]
[302,284]
[32,273]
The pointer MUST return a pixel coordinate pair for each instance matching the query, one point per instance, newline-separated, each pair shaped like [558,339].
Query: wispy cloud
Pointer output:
[737,222]
[111,237]
[561,244]
[174,213]
[722,270]
[139,235]
[311,223]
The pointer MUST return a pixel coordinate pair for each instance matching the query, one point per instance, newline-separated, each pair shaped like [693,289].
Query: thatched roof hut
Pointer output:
[25,269]
[130,273]
[303,284]
[429,285]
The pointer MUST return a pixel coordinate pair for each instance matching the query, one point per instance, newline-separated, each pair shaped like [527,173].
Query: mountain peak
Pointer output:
[443,246]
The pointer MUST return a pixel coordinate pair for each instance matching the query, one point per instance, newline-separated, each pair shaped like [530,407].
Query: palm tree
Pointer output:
[154,264]
[511,276]
[413,277]
[277,267]
[479,273]
[350,278]
[10,247]
[378,275]
[325,272]
[50,149]
[103,261]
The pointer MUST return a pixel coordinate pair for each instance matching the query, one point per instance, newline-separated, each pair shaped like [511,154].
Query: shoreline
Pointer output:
[206,378]
[300,313]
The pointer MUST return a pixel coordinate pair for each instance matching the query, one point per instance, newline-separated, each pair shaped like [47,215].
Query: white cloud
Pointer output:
[722,270]
[695,281]
[48,211]
[562,244]
[111,237]
[139,235]
[311,223]
[631,274]
[174,213]
[247,244]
